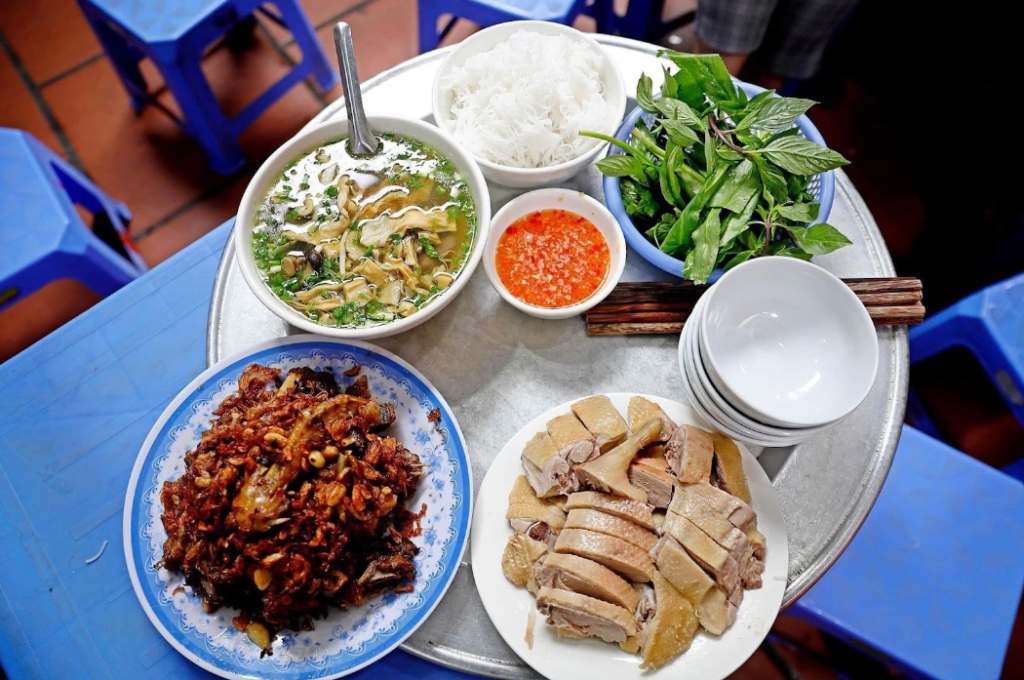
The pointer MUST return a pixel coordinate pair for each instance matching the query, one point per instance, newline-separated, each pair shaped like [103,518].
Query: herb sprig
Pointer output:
[717,178]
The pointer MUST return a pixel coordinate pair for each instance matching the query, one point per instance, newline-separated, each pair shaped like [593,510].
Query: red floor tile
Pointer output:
[384,33]
[145,160]
[19,110]
[318,12]
[192,223]
[49,36]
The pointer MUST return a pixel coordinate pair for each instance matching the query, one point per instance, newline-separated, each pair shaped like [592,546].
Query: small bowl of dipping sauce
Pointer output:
[554,253]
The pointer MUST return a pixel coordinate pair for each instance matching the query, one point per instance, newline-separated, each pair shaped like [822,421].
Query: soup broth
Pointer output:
[353,242]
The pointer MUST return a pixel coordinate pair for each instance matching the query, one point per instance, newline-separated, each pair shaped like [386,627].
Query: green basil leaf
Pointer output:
[675,240]
[710,147]
[818,239]
[679,133]
[668,181]
[700,75]
[737,223]
[802,157]
[637,199]
[774,181]
[681,236]
[793,252]
[690,180]
[673,109]
[739,258]
[668,86]
[620,165]
[749,140]
[741,183]
[800,212]
[645,94]
[660,231]
[700,261]
[776,113]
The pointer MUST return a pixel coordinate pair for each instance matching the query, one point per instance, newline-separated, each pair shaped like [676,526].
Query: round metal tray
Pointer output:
[498,368]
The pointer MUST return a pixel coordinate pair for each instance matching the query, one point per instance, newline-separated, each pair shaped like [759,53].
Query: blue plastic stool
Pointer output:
[932,581]
[491,12]
[42,236]
[990,324]
[174,35]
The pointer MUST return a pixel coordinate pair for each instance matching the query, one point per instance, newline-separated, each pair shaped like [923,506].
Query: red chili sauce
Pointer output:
[552,258]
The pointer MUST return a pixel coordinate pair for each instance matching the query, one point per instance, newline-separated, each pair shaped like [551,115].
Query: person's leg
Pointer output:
[732,28]
[798,34]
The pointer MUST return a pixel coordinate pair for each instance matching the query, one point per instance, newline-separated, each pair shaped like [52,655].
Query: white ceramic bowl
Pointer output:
[561,199]
[734,416]
[333,130]
[528,178]
[708,407]
[788,343]
[723,413]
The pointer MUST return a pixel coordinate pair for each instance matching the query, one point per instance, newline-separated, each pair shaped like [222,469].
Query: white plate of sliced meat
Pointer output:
[615,537]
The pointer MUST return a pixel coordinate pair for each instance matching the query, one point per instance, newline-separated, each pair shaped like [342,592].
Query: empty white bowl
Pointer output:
[528,178]
[706,402]
[788,343]
[557,199]
[722,411]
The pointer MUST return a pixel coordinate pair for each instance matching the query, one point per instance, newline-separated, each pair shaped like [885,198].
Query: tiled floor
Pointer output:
[56,83]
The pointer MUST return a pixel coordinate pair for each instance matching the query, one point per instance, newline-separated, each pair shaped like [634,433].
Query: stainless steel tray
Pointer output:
[498,368]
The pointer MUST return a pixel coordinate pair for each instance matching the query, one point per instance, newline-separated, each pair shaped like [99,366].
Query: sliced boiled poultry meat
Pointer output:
[603,523]
[615,553]
[689,453]
[727,467]
[548,473]
[634,531]
[712,557]
[532,515]
[571,572]
[549,457]
[670,631]
[739,513]
[608,471]
[678,567]
[577,615]
[602,420]
[519,559]
[640,411]
[715,612]
[693,507]
[635,511]
[652,474]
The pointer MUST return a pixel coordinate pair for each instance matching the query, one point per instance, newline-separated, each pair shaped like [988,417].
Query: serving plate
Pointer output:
[509,607]
[344,641]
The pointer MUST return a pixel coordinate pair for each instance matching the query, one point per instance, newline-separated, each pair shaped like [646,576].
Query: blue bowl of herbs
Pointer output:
[712,172]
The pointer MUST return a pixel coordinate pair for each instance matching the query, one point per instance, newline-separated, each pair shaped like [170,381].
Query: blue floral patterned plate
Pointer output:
[344,641]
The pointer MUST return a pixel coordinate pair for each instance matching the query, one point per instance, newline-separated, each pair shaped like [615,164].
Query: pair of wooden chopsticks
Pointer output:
[662,308]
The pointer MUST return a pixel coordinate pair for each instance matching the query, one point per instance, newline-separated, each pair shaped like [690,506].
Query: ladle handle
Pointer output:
[361,140]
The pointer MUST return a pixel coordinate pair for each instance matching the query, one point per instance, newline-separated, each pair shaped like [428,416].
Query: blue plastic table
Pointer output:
[75,409]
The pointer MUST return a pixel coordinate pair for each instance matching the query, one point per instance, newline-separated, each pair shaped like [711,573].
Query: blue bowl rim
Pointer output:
[650,252]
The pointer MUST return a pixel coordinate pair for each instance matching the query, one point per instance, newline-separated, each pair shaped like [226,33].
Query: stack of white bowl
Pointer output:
[777,351]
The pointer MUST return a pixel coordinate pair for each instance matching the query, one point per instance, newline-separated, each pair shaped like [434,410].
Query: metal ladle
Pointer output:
[361,141]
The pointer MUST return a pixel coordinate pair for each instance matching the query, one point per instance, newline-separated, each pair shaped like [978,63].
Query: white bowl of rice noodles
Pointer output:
[518,94]
[363,246]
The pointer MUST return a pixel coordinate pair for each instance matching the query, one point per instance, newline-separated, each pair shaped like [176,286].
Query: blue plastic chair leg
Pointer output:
[1016,470]
[203,117]
[429,15]
[941,331]
[123,58]
[313,58]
